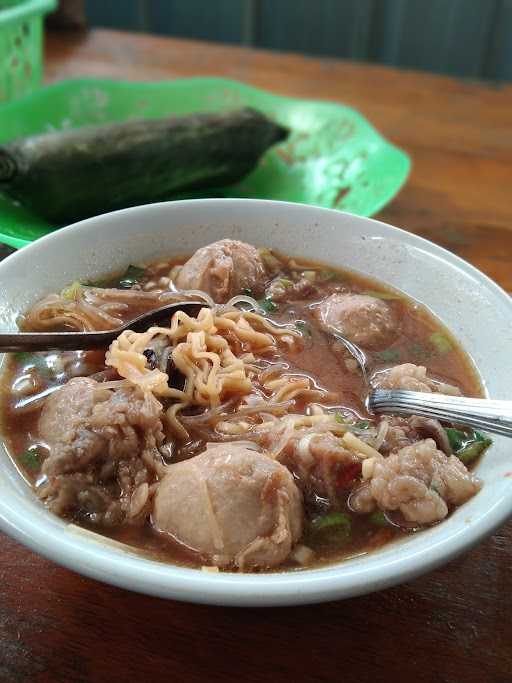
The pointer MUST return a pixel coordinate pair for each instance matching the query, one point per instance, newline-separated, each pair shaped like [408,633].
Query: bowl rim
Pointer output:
[93,557]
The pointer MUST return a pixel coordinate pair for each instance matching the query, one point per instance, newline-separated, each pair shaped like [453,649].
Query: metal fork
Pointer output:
[489,415]
[492,416]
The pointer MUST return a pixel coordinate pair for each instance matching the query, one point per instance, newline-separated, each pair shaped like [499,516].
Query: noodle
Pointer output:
[206,350]
[86,309]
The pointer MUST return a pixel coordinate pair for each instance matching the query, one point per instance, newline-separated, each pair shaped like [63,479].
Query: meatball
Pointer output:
[412,378]
[223,269]
[421,481]
[61,425]
[232,505]
[102,450]
[363,319]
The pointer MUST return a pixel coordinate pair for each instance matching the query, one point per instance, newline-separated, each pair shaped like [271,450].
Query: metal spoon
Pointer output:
[354,350]
[60,341]
[489,415]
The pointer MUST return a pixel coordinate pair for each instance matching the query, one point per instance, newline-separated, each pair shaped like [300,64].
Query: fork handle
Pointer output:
[489,415]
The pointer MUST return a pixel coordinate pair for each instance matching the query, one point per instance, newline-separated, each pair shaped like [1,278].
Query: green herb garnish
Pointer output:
[388,356]
[268,305]
[339,418]
[25,359]
[272,264]
[362,424]
[328,275]
[378,518]
[71,293]
[285,282]
[131,276]
[303,327]
[472,451]
[418,351]
[467,446]
[30,459]
[441,343]
[338,520]
[247,291]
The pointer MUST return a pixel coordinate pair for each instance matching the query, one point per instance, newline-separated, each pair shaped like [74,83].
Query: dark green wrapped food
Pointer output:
[83,172]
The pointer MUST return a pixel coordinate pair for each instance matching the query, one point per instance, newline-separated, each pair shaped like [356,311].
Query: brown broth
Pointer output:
[320,359]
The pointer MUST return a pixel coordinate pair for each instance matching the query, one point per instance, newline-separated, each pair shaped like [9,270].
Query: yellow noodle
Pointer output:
[205,357]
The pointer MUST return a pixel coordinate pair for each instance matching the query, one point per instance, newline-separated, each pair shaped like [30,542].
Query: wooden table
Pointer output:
[449,626]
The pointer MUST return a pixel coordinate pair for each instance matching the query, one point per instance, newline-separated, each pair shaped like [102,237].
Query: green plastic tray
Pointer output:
[333,157]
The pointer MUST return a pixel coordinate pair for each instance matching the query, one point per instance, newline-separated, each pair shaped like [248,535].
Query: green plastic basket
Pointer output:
[21,42]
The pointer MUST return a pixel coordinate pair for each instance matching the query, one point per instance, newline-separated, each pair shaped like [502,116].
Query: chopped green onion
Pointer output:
[362,424]
[378,518]
[441,343]
[467,446]
[30,459]
[131,276]
[247,291]
[418,351]
[456,438]
[328,275]
[285,282]
[339,418]
[71,292]
[333,519]
[386,296]
[388,356]
[310,275]
[272,263]
[268,305]
[303,327]
[474,450]
[25,358]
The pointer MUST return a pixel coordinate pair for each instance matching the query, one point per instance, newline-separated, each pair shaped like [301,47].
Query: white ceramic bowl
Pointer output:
[477,311]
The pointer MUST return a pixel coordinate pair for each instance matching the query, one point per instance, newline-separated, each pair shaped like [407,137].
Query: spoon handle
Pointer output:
[53,341]
[62,341]
[489,415]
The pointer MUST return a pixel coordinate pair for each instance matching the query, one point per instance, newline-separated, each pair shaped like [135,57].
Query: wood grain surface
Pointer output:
[449,626]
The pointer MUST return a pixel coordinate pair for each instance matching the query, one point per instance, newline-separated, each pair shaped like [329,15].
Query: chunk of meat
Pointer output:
[322,467]
[231,505]
[223,269]
[363,319]
[103,450]
[403,431]
[282,289]
[412,378]
[430,428]
[421,482]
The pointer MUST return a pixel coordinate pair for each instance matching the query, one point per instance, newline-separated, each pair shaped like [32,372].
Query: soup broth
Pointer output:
[317,378]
